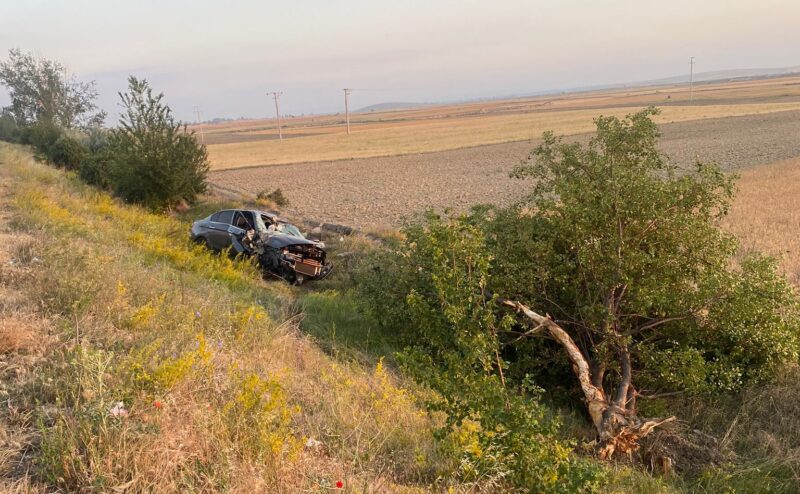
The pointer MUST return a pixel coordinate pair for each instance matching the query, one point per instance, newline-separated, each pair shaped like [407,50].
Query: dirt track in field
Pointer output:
[381,191]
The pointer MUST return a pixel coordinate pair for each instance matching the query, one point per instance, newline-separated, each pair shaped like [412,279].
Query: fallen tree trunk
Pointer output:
[618,427]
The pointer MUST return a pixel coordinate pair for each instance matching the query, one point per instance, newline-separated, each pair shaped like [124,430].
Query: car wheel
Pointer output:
[204,241]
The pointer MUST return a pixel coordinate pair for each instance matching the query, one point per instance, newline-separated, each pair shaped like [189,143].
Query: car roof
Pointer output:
[265,213]
[256,211]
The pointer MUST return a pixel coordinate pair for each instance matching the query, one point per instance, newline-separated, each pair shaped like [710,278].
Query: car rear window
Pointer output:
[223,217]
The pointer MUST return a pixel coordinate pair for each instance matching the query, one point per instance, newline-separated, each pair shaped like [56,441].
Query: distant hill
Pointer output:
[722,75]
[390,106]
[699,77]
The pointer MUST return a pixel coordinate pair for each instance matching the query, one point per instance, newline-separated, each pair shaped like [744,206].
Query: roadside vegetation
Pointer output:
[135,361]
[604,335]
[611,287]
[148,159]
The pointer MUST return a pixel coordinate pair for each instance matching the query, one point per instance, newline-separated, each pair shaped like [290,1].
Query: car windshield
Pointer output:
[288,229]
[260,226]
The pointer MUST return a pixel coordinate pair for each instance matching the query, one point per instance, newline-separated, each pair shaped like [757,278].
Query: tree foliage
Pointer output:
[40,91]
[619,249]
[625,253]
[155,161]
[9,130]
[427,291]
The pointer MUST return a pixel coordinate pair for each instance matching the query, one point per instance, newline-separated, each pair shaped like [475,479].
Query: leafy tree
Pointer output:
[428,292]
[9,130]
[155,161]
[625,253]
[95,167]
[620,273]
[40,91]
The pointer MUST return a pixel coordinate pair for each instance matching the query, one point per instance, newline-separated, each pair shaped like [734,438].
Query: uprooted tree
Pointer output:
[624,278]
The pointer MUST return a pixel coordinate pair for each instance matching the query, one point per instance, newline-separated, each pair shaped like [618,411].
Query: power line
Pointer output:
[347,92]
[276,95]
[691,79]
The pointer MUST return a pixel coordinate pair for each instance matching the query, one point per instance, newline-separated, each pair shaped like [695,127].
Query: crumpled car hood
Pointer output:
[281,241]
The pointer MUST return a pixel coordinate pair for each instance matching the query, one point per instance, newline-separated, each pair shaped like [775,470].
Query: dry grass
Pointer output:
[220,389]
[761,426]
[765,215]
[20,333]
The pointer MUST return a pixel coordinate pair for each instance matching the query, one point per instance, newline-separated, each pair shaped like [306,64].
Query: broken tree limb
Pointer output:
[580,366]
[619,429]
[625,381]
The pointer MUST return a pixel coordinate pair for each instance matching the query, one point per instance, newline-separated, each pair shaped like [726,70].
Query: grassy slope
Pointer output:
[104,303]
[221,386]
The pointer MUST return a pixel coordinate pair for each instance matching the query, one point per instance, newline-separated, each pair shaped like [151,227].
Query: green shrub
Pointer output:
[67,152]
[269,198]
[41,135]
[155,161]
[427,292]
[95,167]
[56,145]
[9,131]
[625,258]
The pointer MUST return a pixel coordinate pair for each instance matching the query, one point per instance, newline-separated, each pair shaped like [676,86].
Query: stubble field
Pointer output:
[372,192]
[446,127]
[765,215]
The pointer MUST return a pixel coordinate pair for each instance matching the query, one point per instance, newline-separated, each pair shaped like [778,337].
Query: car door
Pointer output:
[218,236]
[242,222]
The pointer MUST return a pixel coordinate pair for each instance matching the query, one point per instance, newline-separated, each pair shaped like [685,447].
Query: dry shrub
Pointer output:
[273,200]
[754,444]
[384,232]
[20,333]
[16,260]
[677,447]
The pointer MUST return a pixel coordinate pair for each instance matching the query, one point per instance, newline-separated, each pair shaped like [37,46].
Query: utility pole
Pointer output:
[197,118]
[276,95]
[347,109]
[691,79]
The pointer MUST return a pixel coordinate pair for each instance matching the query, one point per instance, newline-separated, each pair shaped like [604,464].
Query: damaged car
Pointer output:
[279,247]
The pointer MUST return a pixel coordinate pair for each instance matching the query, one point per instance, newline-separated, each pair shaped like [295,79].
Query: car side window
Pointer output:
[240,221]
[251,222]
[226,217]
[215,217]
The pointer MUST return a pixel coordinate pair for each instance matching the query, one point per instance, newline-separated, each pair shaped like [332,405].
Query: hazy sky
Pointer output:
[224,55]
